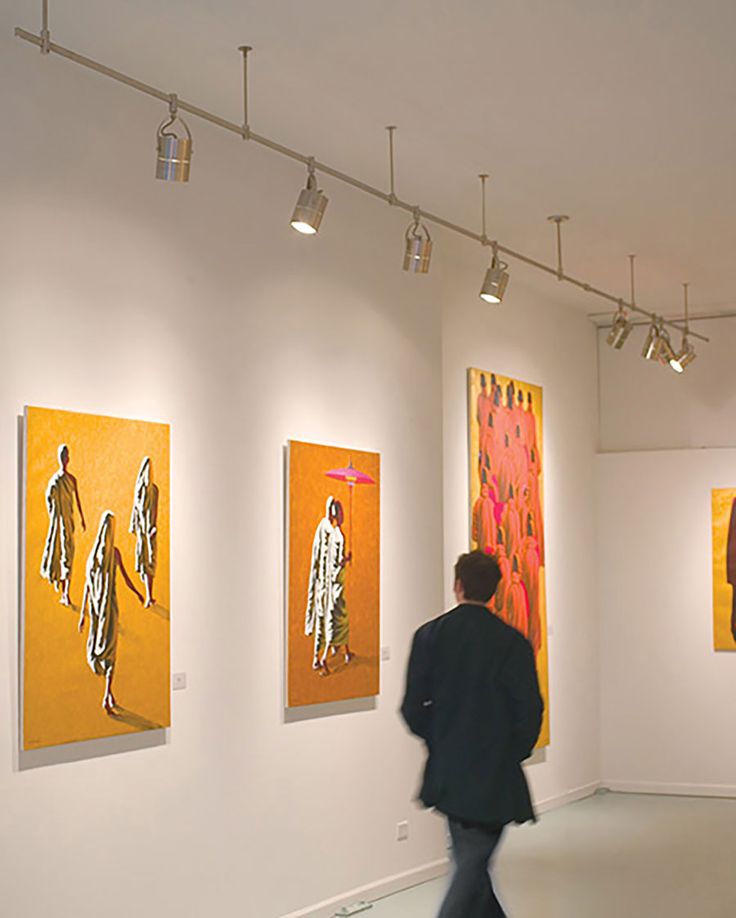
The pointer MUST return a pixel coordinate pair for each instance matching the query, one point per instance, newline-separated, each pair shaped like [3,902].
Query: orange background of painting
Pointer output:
[536,391]
[62,697]
[721,501]
[308,490]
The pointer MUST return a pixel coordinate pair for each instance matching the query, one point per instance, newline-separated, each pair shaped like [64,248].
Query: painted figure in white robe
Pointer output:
[143,525]
[327,616]
[100,594]
[58,554]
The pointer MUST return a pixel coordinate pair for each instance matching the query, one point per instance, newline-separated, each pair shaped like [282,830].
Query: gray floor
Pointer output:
[610,856]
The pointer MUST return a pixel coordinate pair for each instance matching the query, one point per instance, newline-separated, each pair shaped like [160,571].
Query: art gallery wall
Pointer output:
[199,306]
[552,346]
[665,726]
[667,441]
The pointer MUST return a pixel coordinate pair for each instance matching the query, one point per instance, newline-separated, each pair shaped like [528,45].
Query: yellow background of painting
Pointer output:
[62,697]
[309,489]
[722,499]
[536,391]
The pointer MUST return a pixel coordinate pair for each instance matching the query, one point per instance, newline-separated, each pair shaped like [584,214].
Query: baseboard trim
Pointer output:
[400,881]
[671,790]
[377,890]
[577,793]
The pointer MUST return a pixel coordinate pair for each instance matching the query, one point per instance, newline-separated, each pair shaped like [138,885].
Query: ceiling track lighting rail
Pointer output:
[419,215]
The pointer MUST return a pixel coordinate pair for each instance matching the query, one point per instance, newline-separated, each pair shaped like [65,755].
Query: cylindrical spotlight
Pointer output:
[174,148]
[310,207]
[687,353]
[686,356]
[664,350]
[418,248]
[495,281]
[686,359]
[651,342]
[620,330]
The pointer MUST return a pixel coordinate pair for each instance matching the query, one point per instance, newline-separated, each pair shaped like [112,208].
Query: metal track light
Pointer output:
[174,157]
[496,277]
[621,328]
[686,356]
[664,352]
[174,150]
[495,281]
[622,325]
[418,247]
[651,342]
[679,362]
[310,206]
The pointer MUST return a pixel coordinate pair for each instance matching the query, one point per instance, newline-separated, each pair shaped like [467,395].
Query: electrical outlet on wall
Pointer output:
[402,830]
[385,654]
[179,681]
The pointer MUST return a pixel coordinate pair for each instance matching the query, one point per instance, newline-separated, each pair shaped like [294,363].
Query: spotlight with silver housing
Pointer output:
[174,147]
[664,352]
[310,206]
[621,328]
[651,342]
[418,247]
[496,279]
[686,356]
[679,362]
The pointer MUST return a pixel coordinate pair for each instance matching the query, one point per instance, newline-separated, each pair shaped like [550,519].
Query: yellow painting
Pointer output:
[723,502]
[95,631]
[507,505]
[333,575]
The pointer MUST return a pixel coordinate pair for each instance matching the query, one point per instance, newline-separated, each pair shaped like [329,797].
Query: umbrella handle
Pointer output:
[350,527]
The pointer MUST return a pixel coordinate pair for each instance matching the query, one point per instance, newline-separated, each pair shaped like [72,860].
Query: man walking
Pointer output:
[472,695]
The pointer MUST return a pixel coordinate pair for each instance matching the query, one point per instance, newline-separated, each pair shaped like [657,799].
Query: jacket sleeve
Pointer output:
[519,675]
[416,709]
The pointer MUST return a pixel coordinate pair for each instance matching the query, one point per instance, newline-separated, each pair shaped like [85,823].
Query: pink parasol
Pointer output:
[352,477]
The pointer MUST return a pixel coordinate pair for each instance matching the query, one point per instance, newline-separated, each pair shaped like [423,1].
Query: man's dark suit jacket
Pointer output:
[472,694]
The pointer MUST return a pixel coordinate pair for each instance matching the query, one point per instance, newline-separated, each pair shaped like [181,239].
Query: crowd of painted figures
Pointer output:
[507,517]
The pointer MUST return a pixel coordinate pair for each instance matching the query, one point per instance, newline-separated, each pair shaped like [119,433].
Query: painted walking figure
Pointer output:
[327,614]
[144,526]
[62,493]
[100,594]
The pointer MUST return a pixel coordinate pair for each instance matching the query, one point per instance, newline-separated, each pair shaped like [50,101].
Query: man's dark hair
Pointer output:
[479,575]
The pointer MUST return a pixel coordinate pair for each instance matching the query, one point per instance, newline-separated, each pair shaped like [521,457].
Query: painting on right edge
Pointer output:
[723,506]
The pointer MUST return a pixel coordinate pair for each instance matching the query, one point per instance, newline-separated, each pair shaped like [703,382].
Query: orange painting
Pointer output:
[723,503]
[507,504]
[95,631]
[333,574]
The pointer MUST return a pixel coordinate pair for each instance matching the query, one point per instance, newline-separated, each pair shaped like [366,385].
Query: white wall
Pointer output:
[199,306]
[666,442]
[555,348]
[665,719]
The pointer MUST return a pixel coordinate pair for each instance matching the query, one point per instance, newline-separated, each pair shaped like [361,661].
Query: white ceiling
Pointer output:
[620,113]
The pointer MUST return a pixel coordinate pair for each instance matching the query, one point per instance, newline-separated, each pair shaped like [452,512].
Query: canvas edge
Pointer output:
[170,628]
[285,700]
[379,591]
[22,561]
[469,446]
[714,637]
